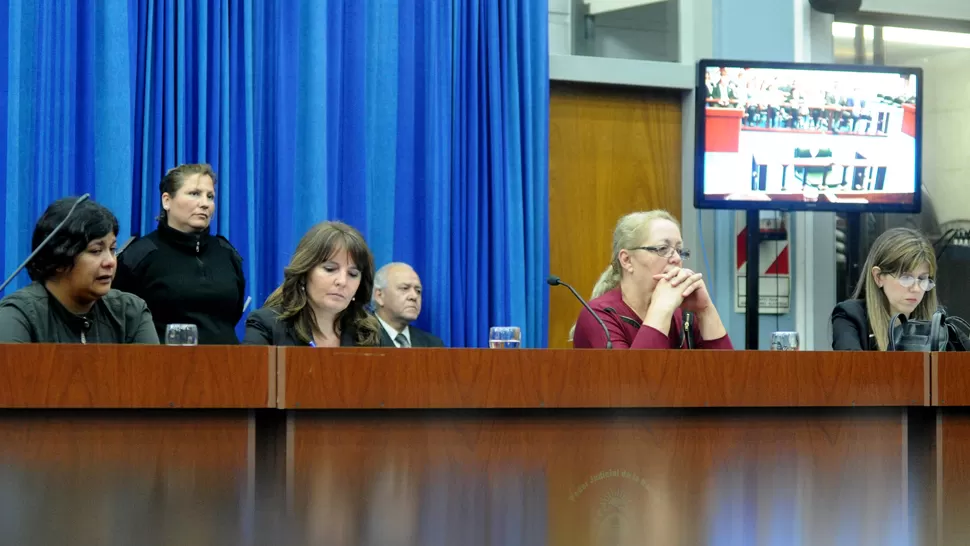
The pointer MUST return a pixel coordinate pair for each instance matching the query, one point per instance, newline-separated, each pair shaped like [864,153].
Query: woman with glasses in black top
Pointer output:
[898,278]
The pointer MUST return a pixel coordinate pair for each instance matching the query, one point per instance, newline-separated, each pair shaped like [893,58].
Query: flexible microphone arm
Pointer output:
[46,240]
[556,281]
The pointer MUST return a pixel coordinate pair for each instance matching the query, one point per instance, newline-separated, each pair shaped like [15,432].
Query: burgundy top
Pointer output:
[626,331]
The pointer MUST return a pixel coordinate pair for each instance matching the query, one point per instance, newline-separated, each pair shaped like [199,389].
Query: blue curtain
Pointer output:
[422,122]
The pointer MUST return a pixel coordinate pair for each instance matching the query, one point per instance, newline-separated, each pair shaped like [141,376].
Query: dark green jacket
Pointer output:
[33,315]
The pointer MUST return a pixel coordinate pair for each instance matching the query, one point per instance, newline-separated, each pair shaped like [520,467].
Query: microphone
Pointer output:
[246,305]
[46,240]
[688,324]
[556,281]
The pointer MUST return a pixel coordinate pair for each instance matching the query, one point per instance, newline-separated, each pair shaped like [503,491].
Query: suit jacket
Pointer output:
[850,327]
[263,327]
[419,338]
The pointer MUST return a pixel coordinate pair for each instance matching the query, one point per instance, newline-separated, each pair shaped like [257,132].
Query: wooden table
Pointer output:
[601,447]
[251,445]
[951,393]
[105,444]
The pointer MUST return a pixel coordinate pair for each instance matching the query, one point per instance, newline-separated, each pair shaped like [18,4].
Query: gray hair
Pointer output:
[380,280]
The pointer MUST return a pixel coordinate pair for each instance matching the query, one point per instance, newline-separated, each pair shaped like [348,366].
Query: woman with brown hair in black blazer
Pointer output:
[321,302]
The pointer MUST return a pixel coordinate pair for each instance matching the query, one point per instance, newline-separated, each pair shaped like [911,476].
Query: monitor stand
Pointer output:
[751,280]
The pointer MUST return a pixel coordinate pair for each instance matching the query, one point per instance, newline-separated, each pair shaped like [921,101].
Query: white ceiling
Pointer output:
[897,54]
[903,46]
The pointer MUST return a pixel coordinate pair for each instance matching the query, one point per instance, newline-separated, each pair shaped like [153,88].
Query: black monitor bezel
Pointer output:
[700,105]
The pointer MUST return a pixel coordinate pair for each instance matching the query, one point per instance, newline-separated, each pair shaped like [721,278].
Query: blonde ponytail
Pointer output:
[609,280]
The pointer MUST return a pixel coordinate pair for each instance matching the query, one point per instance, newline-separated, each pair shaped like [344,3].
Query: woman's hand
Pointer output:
[668,295]
[697,299]
[695,296]
[674,288]
[689,293]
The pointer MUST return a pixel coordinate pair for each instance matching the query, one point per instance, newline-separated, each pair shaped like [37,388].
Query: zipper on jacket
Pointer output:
[683,340]
[198,258]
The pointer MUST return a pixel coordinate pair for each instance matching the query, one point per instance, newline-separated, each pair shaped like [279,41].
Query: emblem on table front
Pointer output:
[613,509]
[612,526]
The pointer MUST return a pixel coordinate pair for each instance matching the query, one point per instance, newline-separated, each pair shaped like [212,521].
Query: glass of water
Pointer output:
[784,341]
[504,337]
[181,334]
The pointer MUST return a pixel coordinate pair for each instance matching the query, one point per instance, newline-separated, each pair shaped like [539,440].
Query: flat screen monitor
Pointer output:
[798,136]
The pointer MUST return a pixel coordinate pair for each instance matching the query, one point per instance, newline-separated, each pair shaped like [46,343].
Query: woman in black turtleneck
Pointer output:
[185,275]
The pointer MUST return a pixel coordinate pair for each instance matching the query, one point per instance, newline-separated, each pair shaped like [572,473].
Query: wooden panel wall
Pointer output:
[612,150]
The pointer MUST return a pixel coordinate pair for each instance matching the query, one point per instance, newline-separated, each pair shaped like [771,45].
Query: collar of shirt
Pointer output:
[393,333]
[192,243]
[78,326]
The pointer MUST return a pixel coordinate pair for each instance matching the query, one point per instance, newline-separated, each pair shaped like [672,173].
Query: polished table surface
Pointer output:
[479,379]
[136,376]
[951,392]
[107,444]
[435,446]
[601,447]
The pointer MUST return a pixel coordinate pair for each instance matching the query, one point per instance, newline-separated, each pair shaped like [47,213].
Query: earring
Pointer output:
[353,298]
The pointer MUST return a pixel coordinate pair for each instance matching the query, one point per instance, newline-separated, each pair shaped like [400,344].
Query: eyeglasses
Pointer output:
[665,251]
[907,281]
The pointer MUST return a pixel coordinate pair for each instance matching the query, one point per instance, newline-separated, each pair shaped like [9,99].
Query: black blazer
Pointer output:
[850,327]
[263,327]
[419,338]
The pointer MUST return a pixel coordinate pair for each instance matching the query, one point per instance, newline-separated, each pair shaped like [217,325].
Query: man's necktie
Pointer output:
[402,341]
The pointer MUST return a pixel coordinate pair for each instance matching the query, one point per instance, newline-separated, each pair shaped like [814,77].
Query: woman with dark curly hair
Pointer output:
[71,300]
[321,302]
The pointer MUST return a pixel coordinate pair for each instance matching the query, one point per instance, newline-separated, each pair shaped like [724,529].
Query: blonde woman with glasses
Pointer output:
[898,278]
[643,294]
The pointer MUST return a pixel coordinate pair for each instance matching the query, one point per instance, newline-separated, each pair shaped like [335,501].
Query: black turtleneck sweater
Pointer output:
[186,278]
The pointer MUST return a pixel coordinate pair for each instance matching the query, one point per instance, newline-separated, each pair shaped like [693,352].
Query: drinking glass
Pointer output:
[504,337]
[181,334]
[784,341]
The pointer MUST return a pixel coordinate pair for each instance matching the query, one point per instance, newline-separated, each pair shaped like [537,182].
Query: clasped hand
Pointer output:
[681,287]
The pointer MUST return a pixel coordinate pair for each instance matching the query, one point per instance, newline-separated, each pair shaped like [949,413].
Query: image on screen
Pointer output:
[809,138]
